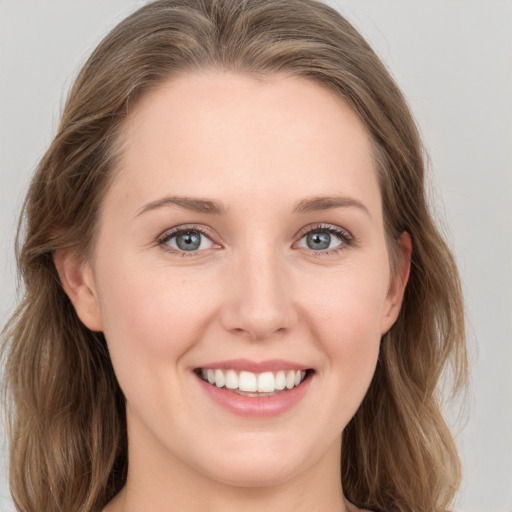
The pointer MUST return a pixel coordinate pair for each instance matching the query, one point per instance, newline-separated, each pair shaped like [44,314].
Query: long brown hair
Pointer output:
[68,445]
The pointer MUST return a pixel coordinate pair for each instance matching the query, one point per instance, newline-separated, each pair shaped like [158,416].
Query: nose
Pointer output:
[259,302]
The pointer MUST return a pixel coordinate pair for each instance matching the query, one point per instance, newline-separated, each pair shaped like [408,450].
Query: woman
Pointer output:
[233,281]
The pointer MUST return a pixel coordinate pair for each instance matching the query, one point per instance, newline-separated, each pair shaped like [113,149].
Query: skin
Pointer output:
[254,289]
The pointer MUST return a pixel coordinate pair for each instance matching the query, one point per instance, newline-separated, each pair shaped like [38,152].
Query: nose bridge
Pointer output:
[260,304]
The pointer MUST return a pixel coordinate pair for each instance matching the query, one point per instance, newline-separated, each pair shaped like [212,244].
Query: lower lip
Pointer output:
[256,407]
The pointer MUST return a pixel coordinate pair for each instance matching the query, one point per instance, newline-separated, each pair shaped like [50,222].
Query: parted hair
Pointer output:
[65,409]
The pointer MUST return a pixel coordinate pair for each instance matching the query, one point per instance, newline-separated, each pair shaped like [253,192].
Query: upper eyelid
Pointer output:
[176,230]
[206,229]
[324,227]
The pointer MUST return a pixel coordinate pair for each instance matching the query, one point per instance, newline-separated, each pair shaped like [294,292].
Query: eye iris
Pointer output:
[189,241]
[318,241]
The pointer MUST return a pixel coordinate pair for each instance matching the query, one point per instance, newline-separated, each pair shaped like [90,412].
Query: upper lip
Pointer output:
[269,365]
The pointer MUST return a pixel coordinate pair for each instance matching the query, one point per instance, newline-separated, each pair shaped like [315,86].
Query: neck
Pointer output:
[248,500]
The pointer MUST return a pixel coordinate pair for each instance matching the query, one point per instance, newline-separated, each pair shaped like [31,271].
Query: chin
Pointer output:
[253,468]
[256,475]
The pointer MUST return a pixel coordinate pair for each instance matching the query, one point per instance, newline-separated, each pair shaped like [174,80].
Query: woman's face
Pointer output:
[242,241]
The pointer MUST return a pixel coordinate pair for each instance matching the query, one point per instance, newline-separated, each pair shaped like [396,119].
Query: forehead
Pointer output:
[204,132]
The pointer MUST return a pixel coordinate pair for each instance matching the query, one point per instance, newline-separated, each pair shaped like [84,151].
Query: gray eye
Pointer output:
[318,241]
[190,241]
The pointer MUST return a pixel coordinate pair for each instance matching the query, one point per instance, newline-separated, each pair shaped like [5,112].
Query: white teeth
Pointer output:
[290,379]
[280,382]
[219,378]
[266,382]
[247,381]
[231,379]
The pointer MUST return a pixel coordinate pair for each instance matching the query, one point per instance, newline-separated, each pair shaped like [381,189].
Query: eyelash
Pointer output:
[344,236]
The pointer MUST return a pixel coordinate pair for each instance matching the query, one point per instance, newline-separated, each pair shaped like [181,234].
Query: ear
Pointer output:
[77,280]
[397,283]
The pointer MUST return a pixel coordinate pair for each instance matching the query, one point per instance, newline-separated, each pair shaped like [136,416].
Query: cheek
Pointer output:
[351,301]
[151,318]
[346,313]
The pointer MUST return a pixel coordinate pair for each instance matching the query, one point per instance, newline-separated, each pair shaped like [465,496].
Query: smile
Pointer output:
[254,389]
[252,384]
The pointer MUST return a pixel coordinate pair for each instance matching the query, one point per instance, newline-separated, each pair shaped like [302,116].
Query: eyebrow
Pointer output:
[208,206]
[320,203]
[189,203]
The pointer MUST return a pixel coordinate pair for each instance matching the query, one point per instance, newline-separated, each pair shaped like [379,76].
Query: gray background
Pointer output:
[453,60]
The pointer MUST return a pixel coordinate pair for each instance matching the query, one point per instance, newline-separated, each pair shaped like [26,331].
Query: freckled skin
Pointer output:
[256,292]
